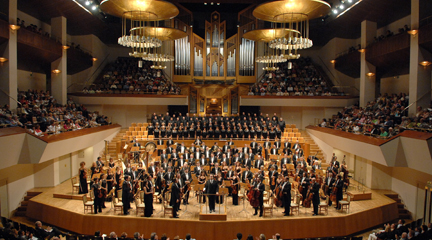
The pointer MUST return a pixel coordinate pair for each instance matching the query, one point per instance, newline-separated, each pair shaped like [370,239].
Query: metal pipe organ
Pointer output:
[246,58]
[182,56]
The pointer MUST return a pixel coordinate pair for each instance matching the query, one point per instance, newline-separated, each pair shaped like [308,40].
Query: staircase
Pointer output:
[112,145]
[403,212]
[22,209]
[314,149]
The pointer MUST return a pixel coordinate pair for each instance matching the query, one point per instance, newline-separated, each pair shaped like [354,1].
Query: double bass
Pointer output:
[333,194]
[278,196]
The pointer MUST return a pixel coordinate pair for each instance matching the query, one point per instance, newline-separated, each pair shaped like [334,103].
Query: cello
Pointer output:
[278,196]
[307,202]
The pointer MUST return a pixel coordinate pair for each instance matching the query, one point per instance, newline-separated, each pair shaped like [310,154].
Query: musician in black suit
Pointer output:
[287,144]
[203,162]
[169,150]
[160,141]
[226,147]
[329,182]
[99,163]
[259,149]
[216,169]
[231,142]
[126,194]
[97,201]
[225,159]
[212,159]
[246,175]
[135,143]
[286,195]
[211,187]
[315,198]
[169,176]
[187,179]
[181,162]
[296,145]
[304,183]
[181,148]
[339,192]
[277,143]
[273,175]
[152,169]
[274,150]
[128,170]
[253,146]
[285,160]
[258,163]
[169,142]
[175,198]
[260,187]
[174,157]
[235,159]
[247,162]
[198,169]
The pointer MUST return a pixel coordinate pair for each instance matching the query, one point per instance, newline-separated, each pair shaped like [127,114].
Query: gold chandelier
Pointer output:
[290,32]
[140,30]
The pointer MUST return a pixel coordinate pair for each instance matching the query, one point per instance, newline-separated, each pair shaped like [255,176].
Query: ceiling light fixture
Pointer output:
[413,32]
[425,63]
[87,3]
[65,47]
[14,27]
[94,7]
[332,61]
[370,74]
[56,71]
[3,59]
[362,50]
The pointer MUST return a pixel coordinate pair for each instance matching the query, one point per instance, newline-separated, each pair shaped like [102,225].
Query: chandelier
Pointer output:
[290,28]
[140,30]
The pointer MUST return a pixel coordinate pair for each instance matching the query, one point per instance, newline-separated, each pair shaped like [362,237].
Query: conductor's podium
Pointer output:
[219,214]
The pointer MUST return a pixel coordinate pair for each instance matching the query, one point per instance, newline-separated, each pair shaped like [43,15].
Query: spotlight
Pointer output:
[335,11]
[87,3]
[94,7]
[205,3]
[211,3]
[341,6]
[218,4]
[350,1]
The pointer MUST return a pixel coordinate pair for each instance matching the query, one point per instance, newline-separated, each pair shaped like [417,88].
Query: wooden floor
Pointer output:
[362,215]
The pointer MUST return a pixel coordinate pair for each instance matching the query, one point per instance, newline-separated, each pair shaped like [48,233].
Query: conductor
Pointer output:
[211,187]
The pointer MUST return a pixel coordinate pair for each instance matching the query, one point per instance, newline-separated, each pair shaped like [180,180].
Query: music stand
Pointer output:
[184,195]
[244,186]
[224,192]
[199,188]
[135,150]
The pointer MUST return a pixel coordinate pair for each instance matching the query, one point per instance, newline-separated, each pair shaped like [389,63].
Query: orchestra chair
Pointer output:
[268,208]
[345,204]
[133,124]
[139,207]
[118,206]
[75,185]
[295,206]
[156,196]
[91,195]
[88,205]
[119,194]
[166,207]
[141,196]
[242,192]
[266,194]
[324,206]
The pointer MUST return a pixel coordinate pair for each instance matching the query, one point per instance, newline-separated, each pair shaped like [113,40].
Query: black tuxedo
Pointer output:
[215,170]
[175,198]
[236,159]
[226,160]
[169,142]
[267,144]
[169,150]
[169,176]
[126,196]
[287,145]
[211,187]
[247,162]
[203,162]
[246,175]
[286,193]
[198,170]
[225,148]
[160,142]
[258,163]
[315,197]
[277,144]
[273,151]
[296,145]
[181,149]
[285,160]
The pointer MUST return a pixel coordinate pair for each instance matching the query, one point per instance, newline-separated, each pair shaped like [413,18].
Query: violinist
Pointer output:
[286,190]
[339,192]
[148,195]
[97,201]
[259,186]
[329,182]
[201,180]
[272,174]
[304,184]
[259,162]
[216,169]
[235,185]
[158,182]
[187,179]
[220,182]
[110,181]
[285,160]
[103,188]
[284,171]
[83,179]
[261,173]
[315,198]
[181,163]
[273,164]
[198,169]
[118,177]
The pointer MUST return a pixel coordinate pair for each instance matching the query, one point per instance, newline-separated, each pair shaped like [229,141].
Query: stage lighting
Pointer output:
[94,7]
[335,11]
[87,3]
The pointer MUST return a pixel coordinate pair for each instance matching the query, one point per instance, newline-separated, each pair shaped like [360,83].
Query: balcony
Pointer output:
[4,31]
[349,64]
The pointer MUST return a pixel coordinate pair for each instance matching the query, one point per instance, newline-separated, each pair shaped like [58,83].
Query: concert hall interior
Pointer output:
[307,118]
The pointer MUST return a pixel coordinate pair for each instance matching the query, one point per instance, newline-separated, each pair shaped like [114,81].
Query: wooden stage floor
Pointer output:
[69,214]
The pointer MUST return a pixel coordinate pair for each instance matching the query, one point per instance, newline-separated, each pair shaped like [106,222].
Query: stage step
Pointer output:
[22,209]
[403,212]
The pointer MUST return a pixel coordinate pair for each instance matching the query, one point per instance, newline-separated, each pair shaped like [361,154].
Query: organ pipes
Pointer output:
[198,62]
[246,58]
[182,56]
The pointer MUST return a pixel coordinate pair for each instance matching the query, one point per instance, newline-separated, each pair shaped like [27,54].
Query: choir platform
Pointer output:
[61,207]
